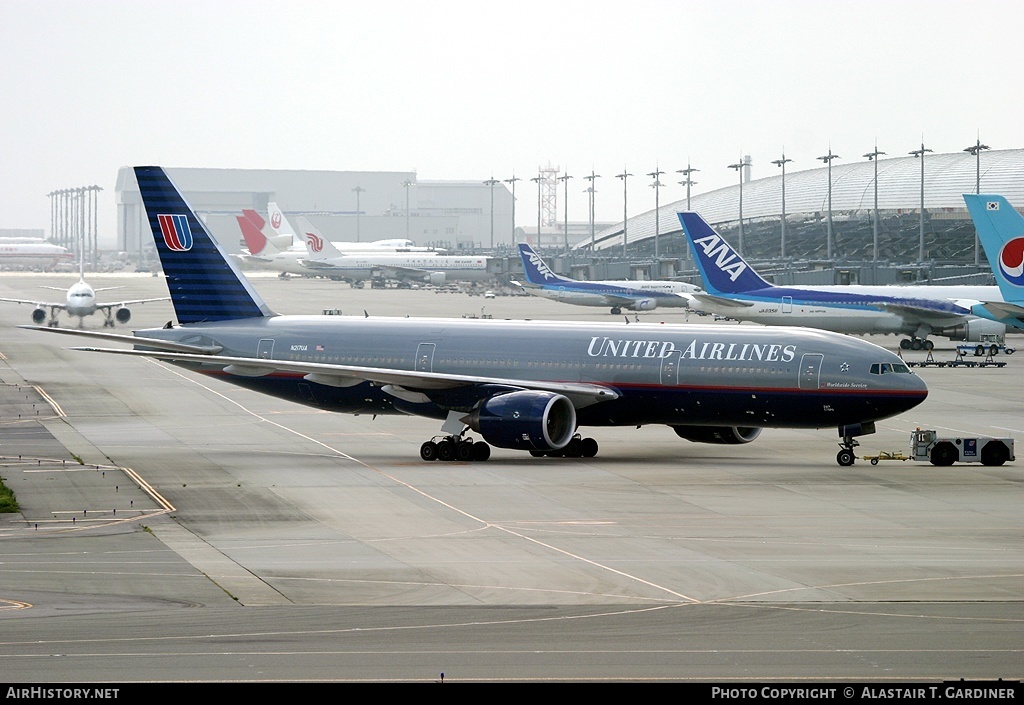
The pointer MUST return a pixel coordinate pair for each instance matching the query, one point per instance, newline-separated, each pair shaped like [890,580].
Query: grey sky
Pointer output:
[467,90]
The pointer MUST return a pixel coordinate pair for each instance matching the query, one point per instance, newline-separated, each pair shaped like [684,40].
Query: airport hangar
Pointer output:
[344,205]
[949,244]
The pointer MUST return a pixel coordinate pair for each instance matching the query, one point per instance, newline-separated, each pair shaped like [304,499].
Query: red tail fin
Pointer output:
[254,239]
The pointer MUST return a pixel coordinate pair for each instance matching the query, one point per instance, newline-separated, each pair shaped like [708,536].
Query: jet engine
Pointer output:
[973,329]
[38,316]
[436,278]
[721,435]
[525,420]
[645,305]
[123,315]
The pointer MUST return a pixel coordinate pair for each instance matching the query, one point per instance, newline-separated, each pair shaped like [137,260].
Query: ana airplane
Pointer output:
[621,294]
[1001,232]
[735,290]
[80,302]
[427,267]
[31,252]
[521,385]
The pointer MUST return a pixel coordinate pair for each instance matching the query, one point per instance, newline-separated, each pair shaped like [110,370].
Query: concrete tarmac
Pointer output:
[174,528]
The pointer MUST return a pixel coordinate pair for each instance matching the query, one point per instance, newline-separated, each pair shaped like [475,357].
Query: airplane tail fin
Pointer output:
[1001,232]
[255,241]
[204,283]
[278,223]
[317,246]
[535,268]
[721,267]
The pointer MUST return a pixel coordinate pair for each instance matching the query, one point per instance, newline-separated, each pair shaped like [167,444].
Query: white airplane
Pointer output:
[735,290]
[428,267]
[32,252]
[618,294]
[80,302]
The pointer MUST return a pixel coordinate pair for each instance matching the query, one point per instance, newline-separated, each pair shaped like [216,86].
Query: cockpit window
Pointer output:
[881,368]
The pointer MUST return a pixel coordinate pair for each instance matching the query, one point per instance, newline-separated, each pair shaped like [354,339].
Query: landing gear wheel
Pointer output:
[446,450]
[574,449]
[481,451]
[845,457]
[428,451]
[464,450]
[589,447]
[538,453]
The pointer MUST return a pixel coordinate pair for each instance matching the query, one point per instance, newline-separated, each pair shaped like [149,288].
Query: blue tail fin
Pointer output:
[1001,232]
[204,283]
[535,268]
[720,266]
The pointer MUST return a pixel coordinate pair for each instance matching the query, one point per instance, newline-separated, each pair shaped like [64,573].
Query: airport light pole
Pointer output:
[687,182]
[782,163]
[492,182]
[591,190]
[976,150]
[738,166]
[358,190]
[828,161]
[919,153]
[564,178]
[873,156]
[540,181]
[657,215]
[513,181]
[407,183]
[625,177]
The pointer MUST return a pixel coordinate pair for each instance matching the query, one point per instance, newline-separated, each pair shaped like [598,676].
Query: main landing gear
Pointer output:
[845,457]
[455,448]
[576,448]
[916,344]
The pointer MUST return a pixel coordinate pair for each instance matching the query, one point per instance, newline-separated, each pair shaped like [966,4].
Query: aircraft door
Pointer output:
[265,349]
[810,370]
[670,370]
[560,294]
[787,304]
[425,357]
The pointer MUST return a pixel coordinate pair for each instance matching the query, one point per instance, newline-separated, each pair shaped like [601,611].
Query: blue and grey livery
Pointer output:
[735,290]
[618,295]
[519,384]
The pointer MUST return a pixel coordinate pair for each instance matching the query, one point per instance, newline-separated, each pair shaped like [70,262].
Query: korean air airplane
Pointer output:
[1001,232]
[618,294]
[521,385]
[735,290]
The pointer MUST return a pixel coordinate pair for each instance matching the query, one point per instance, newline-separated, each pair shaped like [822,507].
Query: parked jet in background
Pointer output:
[618,294]
[32,253]
[80,302]
[1001,232]
[521,385]
[427,267]
[735,290]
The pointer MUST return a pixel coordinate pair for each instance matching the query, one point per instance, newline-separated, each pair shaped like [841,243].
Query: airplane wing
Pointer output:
[1004,312]
[37,303]
[131,302]
[580,393]
[711,300]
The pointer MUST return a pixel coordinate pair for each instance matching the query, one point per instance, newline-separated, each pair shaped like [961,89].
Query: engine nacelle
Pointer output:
[722,435]
[645,305]
[38,316]
[123,315]
[973,329]
[436,278]
[525,420]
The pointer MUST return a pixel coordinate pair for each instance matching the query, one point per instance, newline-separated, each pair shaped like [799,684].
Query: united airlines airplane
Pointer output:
[622,294]
[1001,232]
[735,290]
[520,385]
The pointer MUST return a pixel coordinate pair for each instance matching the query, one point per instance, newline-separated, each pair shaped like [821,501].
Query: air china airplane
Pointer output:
[618,294]
[735,290]
[80,302]
[1001,232]
[520,385]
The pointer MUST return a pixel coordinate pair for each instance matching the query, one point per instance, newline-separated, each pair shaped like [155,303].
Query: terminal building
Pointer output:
[908,244]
